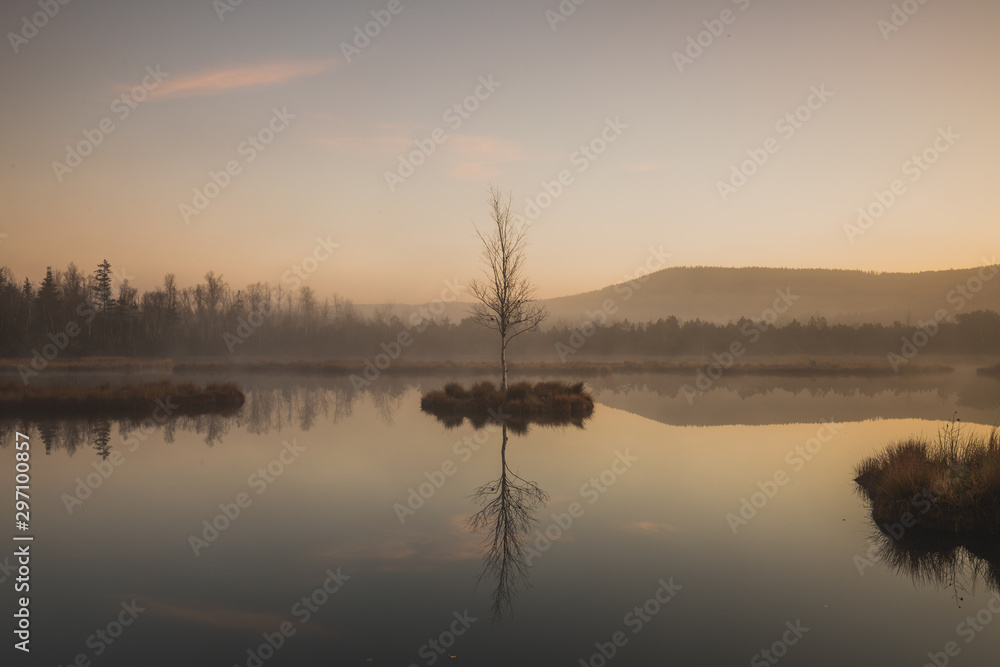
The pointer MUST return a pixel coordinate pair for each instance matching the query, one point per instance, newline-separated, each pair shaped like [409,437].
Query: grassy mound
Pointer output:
[549,403]
[989,371]
[105,400]
[950,484]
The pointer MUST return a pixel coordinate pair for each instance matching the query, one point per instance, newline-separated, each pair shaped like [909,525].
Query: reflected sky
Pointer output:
[333,504]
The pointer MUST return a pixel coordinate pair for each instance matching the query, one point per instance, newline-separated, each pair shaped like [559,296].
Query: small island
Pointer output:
[546,403]
[125,400]
[951,484]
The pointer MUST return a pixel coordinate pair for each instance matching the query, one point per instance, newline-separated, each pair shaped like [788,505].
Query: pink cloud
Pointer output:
[224,80]
[649,527]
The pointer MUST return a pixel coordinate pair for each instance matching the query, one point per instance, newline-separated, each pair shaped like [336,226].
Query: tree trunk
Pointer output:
[503,365]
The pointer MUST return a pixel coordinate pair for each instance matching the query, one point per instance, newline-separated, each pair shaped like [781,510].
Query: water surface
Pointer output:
[642,503]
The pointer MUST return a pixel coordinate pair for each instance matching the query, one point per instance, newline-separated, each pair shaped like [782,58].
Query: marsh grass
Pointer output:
[107,400]
[989,371]
[401,367]
[950,483]
[546,403]
[93,364]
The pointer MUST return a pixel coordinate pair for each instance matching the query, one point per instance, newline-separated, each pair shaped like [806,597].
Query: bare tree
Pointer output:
[505,294]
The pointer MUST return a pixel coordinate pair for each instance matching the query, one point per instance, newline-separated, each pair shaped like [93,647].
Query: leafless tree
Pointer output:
[504,295]
[509,507]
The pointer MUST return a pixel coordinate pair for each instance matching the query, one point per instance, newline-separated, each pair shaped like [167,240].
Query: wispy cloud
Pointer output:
[647,166]
[210,615]
[465,156]
[232,79]
[405,548]
[480,156]
[649,527]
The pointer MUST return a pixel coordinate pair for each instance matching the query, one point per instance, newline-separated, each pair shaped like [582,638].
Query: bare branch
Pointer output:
[504,295]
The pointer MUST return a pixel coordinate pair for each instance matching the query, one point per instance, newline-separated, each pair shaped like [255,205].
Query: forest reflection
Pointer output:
[277,403]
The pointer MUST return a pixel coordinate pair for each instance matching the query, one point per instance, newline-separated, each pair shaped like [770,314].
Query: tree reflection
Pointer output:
[509,511]
[271,404]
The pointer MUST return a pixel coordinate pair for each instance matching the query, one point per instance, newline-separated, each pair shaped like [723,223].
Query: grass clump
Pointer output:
[951,483]
[126,400]
[989,371]
[551,403]
[92,365]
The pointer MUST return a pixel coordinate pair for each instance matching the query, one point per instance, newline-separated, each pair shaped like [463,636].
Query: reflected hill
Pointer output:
[773,400]
[276,403]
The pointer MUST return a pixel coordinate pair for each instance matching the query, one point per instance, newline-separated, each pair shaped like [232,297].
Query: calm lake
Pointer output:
[680,532]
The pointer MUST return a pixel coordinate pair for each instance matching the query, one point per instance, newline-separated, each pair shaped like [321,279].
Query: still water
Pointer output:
[667,532]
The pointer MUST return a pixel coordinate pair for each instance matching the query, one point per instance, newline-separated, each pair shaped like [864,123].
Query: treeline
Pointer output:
[74,313]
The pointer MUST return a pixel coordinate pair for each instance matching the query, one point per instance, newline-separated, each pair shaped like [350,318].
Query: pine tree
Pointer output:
[48,300]
[102,285]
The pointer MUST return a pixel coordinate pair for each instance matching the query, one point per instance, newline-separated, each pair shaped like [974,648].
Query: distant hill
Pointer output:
[718,294]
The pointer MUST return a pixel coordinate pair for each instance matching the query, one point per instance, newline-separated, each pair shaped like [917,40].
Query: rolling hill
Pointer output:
[719,294]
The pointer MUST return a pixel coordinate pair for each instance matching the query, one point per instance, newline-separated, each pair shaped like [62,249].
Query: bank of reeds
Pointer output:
[951,483]
[989,371]
[126,400]
[86,365]
[369,369]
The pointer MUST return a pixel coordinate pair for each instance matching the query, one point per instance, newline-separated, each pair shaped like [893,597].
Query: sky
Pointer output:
[358,141]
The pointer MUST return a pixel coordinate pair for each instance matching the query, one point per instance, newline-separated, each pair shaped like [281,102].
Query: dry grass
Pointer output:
[92,364]
[541,368]
[989,371]
[105,400]
[548,403]
[952,483]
